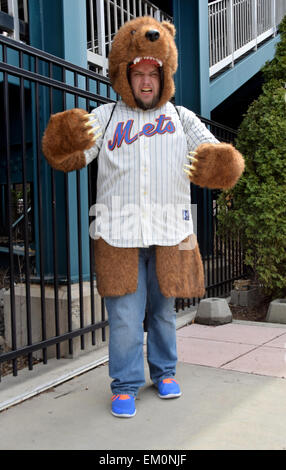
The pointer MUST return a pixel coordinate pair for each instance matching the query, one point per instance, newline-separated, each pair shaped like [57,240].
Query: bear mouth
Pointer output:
[154,60]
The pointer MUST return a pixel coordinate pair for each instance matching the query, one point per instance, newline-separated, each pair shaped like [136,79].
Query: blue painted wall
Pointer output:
[187,78]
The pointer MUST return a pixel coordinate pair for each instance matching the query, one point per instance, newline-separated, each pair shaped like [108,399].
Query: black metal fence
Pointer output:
[49,306]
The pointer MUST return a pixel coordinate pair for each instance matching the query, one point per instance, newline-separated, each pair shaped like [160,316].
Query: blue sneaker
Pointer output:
[169,388]
[123,406]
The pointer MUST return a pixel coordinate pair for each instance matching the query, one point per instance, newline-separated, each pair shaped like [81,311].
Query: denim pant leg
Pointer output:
[161,339]
[126,334]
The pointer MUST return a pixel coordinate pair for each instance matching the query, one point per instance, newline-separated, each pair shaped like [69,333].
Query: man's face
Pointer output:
[145,83]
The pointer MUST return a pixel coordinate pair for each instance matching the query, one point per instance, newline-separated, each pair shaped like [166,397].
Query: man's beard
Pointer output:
[146,106]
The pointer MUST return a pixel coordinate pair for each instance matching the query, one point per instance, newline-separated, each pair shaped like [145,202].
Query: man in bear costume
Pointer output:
[145,250]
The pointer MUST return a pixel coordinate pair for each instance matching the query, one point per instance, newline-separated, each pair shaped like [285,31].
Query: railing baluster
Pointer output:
[225,28]
[92,25]
[55,257]
[128,10]
[9,211]
[122,12]
[13,10]
[216,33]
[40,210]
[67,217]
[115,16]
[26,16]
[101,30]
[79,235]
[273,22]
[90,241]
[25,201]
[108,25]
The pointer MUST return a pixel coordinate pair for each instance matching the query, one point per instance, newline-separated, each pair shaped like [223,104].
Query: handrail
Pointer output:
[239,26]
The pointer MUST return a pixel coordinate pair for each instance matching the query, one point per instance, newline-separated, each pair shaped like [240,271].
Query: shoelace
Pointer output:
[169,381]
[121,397]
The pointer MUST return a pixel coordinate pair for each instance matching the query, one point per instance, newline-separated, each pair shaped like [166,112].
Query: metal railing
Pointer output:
[47,313]
[34,85]
[105,17]
[239,26]
[14,19]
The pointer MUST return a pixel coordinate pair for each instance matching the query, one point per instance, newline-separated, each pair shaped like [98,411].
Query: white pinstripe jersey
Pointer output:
[143,194]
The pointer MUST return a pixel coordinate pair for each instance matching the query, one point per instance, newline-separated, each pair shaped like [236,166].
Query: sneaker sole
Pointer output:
[170,395]
[122,415]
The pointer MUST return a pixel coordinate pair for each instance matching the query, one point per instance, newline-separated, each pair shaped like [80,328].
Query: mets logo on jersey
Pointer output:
[123,131]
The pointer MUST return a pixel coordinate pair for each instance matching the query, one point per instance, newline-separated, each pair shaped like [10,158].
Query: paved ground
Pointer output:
[233,384]
[235,346]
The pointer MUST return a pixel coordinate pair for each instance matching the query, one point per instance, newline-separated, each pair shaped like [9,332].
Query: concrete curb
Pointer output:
[14,390]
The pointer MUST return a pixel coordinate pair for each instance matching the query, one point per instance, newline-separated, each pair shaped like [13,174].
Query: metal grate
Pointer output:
[31,82]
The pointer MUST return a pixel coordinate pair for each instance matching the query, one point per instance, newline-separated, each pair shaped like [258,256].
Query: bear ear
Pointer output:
[170,27]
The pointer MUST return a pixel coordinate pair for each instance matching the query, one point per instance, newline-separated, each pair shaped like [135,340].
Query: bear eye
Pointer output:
[133,31]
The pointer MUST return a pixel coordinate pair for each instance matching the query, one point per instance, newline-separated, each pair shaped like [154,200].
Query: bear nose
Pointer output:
[152,35]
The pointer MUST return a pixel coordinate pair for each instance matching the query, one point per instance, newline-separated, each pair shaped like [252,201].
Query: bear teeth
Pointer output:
[138,59]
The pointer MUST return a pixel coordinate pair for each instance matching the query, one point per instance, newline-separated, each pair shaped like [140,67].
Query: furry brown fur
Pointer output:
[65,138]
[116,269]
[131,42]
[219,166]
[180,273]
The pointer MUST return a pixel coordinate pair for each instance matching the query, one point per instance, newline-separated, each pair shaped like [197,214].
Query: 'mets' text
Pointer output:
[123,131]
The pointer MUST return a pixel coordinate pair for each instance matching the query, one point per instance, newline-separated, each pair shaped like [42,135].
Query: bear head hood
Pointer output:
[143,38]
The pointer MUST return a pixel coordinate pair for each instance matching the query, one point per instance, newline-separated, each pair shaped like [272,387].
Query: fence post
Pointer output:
[230,29]
[101,31]
[273,13]
[157,15]
[254,21]
[13,11]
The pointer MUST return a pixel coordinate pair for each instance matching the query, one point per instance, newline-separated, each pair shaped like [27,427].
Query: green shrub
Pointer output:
[255,209]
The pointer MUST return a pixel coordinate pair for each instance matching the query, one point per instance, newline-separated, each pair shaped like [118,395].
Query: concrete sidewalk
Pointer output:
[232,379]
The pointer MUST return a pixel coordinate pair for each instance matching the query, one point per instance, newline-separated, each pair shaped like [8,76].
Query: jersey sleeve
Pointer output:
[101,114]
[196,132]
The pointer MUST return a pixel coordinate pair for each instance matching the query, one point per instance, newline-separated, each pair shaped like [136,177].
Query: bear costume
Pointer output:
[146,253]
[69,143]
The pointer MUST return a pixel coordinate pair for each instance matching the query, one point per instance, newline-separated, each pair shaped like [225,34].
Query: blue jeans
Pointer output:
[126,315]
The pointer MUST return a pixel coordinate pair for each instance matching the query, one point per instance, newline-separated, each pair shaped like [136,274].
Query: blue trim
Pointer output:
[203,41]
[45,26]
[187,79]
[227,83]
